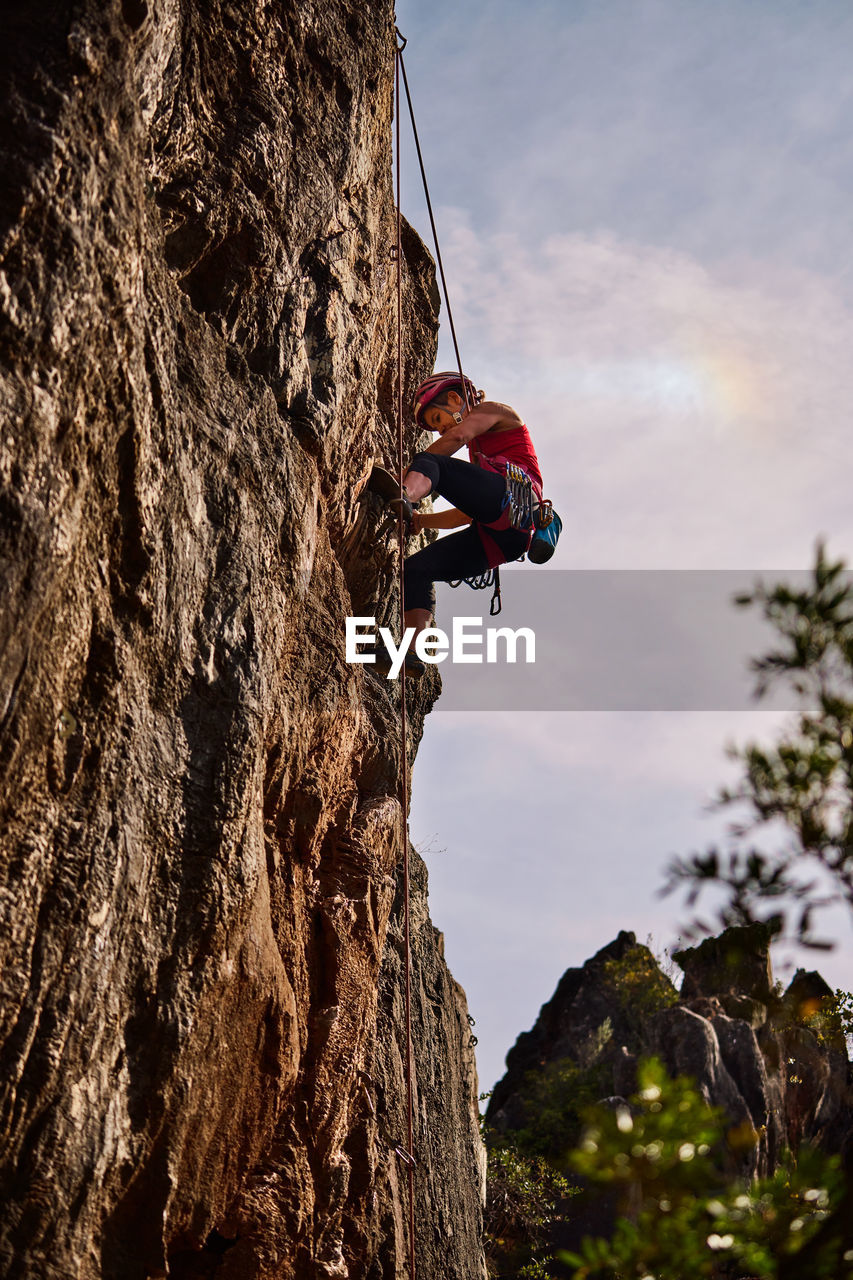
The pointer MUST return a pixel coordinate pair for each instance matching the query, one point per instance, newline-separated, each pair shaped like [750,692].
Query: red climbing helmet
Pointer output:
[437,383]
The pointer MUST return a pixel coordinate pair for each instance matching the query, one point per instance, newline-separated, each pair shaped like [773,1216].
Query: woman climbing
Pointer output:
[495,436]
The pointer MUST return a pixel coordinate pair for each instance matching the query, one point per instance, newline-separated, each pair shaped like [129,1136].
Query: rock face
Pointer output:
[779,1079]
[452,1164]
[201,822]
[736,963]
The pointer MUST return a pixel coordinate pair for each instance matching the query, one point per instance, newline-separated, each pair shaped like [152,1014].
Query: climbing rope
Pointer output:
[404,753]
[492,578]
[402,67]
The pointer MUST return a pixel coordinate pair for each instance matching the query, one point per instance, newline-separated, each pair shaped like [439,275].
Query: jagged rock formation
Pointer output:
[751,1052]
[737,963]
[201,824]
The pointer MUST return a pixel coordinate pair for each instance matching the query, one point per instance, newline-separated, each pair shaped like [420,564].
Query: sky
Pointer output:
[644,217]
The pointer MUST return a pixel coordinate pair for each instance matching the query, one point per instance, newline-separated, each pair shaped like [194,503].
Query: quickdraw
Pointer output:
[544,513]
[519,497]
[526,511]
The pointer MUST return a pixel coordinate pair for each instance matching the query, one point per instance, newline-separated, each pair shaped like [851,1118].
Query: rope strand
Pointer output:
[400,67]
[404,761]
[439,262]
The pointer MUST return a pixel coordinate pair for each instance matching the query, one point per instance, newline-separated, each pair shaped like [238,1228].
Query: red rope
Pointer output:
[404,760]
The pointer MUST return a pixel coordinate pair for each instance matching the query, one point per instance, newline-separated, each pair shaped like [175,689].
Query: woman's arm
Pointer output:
[451,519]
[481,418]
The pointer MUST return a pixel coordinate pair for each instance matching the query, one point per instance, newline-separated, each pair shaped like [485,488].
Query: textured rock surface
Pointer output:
[736,963]
[581,1018]
[452,1164]
[772,1075]
[201,822]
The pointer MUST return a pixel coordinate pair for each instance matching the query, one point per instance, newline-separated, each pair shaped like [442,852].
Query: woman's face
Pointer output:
[439,417]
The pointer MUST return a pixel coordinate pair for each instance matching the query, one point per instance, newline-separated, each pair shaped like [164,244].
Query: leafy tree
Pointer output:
[832,1020]
[682,1212]
[525,1195]
[668,1158]
[805,781]
[797,1224]
[553,1098]
[639,986]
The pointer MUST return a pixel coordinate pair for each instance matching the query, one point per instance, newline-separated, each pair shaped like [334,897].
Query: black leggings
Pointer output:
[480,494]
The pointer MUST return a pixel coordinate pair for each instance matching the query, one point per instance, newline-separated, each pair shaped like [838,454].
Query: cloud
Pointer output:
[685,417]
[679,749]
[721,129]
[644,213]
[548,834]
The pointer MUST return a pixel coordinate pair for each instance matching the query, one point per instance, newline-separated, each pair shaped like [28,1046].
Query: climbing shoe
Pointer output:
[383,484]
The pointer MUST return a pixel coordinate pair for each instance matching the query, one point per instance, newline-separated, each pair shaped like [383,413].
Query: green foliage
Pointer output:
[526,1192]
[639,986]
[524,1197]
[538,1270]
[554,1097]
[838,1009]
[831,1019]
[682,1215]
[669,1161]
[805,780]
[667,1130]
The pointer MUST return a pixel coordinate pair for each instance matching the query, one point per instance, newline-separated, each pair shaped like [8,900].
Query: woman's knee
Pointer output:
[427,464]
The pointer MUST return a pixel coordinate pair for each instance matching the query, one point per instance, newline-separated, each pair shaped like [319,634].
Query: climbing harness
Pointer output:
[527,512]
[523,511]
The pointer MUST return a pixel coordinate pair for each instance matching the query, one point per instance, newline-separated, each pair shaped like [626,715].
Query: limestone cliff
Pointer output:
[201,824]
[781,1075]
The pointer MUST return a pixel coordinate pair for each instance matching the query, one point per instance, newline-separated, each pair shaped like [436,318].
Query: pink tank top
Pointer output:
[494,447]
